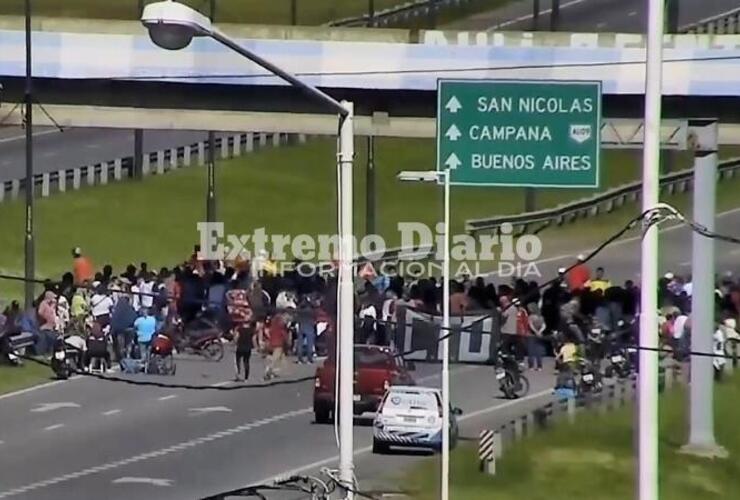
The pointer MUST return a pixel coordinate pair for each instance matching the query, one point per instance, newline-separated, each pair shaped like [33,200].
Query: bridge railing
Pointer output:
[415,9]
[534,222]
[726,23]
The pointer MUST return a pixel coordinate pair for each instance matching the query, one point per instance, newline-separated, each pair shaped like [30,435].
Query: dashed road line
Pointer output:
[601,24]
[111,412]
[166,398]
[53,427]
[632,13]
[192,443]
[527,17]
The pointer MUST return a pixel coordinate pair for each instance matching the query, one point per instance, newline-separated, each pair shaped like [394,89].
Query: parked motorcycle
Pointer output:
[589,380]
[201,336]
[64,358]
[619,364]
[512,382]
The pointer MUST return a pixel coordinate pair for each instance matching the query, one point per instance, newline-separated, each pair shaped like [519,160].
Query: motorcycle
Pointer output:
[63,359]
[589,380]
[512,382]
[201,337]
[620,364]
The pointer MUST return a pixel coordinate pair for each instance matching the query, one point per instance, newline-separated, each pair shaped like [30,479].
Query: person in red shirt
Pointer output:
[278,336]
[579,275]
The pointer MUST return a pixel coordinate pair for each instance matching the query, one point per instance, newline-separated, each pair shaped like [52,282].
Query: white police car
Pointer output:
[411,417]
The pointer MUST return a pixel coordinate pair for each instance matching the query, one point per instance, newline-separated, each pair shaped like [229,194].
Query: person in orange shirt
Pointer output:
[579,275]
[82,267]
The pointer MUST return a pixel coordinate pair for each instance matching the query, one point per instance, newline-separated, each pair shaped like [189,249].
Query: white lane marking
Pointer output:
[527,17]
[49,154]
[222,384]
[601,24]
[617,243]
[209,409]
[110,412]
[685,264]
[367,449]
[93,145]
[37,387]
[53,427]
[165,398]
[192,443]
[35,134]
[47,407]
[143,480]
[632,13]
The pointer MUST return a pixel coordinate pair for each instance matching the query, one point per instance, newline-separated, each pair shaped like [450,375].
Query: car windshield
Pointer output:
[411,401]
[373,358]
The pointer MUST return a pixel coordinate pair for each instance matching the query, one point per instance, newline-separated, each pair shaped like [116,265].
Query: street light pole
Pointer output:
[211,174]
[172,26]
[647,483]
[30,244]
[444,177]
[446,343]
[346,302]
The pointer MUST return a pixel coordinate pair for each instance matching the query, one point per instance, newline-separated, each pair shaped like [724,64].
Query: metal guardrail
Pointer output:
[725,23]
[607,201]
[399,13]
[153,163]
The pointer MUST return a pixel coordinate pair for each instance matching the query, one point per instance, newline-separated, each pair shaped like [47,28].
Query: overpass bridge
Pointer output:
[115,77]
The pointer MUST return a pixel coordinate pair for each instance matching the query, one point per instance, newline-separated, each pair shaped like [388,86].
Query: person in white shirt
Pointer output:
[101,306]
[146,291]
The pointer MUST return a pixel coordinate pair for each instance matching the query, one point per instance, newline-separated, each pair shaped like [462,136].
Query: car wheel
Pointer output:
[322,415]
[380,447]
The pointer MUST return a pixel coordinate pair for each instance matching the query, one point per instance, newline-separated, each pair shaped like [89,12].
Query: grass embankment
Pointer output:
[309,12]
[595,459]
[290,190]
[15,378]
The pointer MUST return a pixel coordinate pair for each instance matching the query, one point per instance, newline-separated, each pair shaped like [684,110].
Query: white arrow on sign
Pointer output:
[453,133]
[453,105]
[453,161]
[43,408]
[210,409]
[143,480]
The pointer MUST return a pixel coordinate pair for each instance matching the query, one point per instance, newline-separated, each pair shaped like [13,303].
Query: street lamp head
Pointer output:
[418,176]
[173,25]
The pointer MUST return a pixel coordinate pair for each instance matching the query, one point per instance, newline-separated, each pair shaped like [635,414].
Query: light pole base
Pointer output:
[705,451]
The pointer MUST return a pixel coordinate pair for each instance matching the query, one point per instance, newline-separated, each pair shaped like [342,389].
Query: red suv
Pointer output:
[376,369]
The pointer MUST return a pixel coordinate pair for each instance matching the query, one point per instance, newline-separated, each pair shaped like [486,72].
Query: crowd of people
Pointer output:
[261,311]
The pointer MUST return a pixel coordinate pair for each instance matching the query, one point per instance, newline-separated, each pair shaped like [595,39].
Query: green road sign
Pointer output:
[535,133]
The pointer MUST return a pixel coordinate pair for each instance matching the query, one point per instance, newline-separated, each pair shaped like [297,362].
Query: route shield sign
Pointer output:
[535,133]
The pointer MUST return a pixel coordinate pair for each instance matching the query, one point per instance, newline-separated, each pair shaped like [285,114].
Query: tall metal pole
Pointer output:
[555,15]
[672,15]
[371,13]
[346,297]
[446,345]
[370,187]
[30,244]
[647,483]
[701,425]
[211,190]
[138,172]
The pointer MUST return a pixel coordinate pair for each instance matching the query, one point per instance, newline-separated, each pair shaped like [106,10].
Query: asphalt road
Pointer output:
[89,439]
[55,150]
[619,16]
